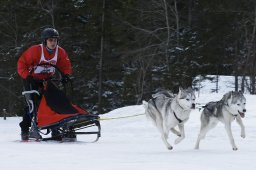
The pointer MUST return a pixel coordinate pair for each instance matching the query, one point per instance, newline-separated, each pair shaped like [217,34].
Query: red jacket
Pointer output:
[31,57]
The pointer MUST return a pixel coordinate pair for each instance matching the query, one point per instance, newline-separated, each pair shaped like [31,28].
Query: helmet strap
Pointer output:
[44,42]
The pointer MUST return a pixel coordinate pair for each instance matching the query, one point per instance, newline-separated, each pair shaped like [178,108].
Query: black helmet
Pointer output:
[49,33]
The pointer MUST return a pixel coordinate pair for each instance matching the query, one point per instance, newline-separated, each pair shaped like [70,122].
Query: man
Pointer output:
[47,52]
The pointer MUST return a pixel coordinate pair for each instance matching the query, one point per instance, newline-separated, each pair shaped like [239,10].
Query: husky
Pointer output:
[167,110]
[229,108]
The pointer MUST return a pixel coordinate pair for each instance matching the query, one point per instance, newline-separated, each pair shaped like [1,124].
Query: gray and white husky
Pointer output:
[167,110]
[229,108]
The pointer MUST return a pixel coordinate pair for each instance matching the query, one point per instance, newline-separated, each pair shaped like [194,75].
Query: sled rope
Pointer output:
[122,117]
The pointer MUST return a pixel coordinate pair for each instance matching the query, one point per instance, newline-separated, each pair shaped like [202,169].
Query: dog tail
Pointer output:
[145,104]
[152,114]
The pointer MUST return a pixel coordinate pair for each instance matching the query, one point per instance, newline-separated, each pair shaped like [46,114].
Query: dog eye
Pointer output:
[187,99]
[238,104]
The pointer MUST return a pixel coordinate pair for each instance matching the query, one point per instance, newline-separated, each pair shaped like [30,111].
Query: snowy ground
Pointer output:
[134,143]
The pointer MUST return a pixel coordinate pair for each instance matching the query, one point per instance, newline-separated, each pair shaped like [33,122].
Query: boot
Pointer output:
[24,136]
[56,135]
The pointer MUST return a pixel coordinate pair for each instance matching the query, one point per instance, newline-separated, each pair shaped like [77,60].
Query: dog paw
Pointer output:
[196,147]
[170,147]
[243,134]
[235,149]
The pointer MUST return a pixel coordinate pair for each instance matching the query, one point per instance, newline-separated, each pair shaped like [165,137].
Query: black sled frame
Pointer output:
[68,128]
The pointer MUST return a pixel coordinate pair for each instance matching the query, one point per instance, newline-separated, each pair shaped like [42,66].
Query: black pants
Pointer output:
[25,124]
[26,121]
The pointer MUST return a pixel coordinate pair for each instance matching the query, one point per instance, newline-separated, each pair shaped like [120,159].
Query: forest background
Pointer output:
[122,51]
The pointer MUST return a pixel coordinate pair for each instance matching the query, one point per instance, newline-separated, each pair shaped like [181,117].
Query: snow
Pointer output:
[134,143]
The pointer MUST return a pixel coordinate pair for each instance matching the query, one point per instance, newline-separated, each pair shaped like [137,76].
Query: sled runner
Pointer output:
[52,112]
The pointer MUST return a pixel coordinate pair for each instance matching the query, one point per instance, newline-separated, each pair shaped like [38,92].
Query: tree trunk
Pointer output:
[177,22]
[101,59]
[236,82]
[168,33]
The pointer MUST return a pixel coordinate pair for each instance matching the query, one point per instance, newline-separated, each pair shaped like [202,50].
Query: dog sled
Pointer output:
[52,112]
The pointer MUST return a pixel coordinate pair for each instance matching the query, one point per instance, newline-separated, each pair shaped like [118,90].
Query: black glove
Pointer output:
[29,83]
[29,78]
[65,78]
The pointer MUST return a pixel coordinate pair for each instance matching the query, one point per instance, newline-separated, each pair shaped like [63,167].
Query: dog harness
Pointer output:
[179,120]
[46,69]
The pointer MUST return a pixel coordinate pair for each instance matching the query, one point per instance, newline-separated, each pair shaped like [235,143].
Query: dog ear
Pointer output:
[180,92]
[226,97]
[240,92]
[180,89]
[231,96]
[190,90]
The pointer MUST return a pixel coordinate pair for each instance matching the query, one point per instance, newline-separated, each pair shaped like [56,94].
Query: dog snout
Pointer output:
[244,110]
[193,106]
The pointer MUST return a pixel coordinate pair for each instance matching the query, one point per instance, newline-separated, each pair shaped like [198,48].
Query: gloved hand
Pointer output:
[29,83]
[30,79]
[65,78]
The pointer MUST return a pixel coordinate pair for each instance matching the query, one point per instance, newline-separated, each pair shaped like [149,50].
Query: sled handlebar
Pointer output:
[51,77]
[30,92]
